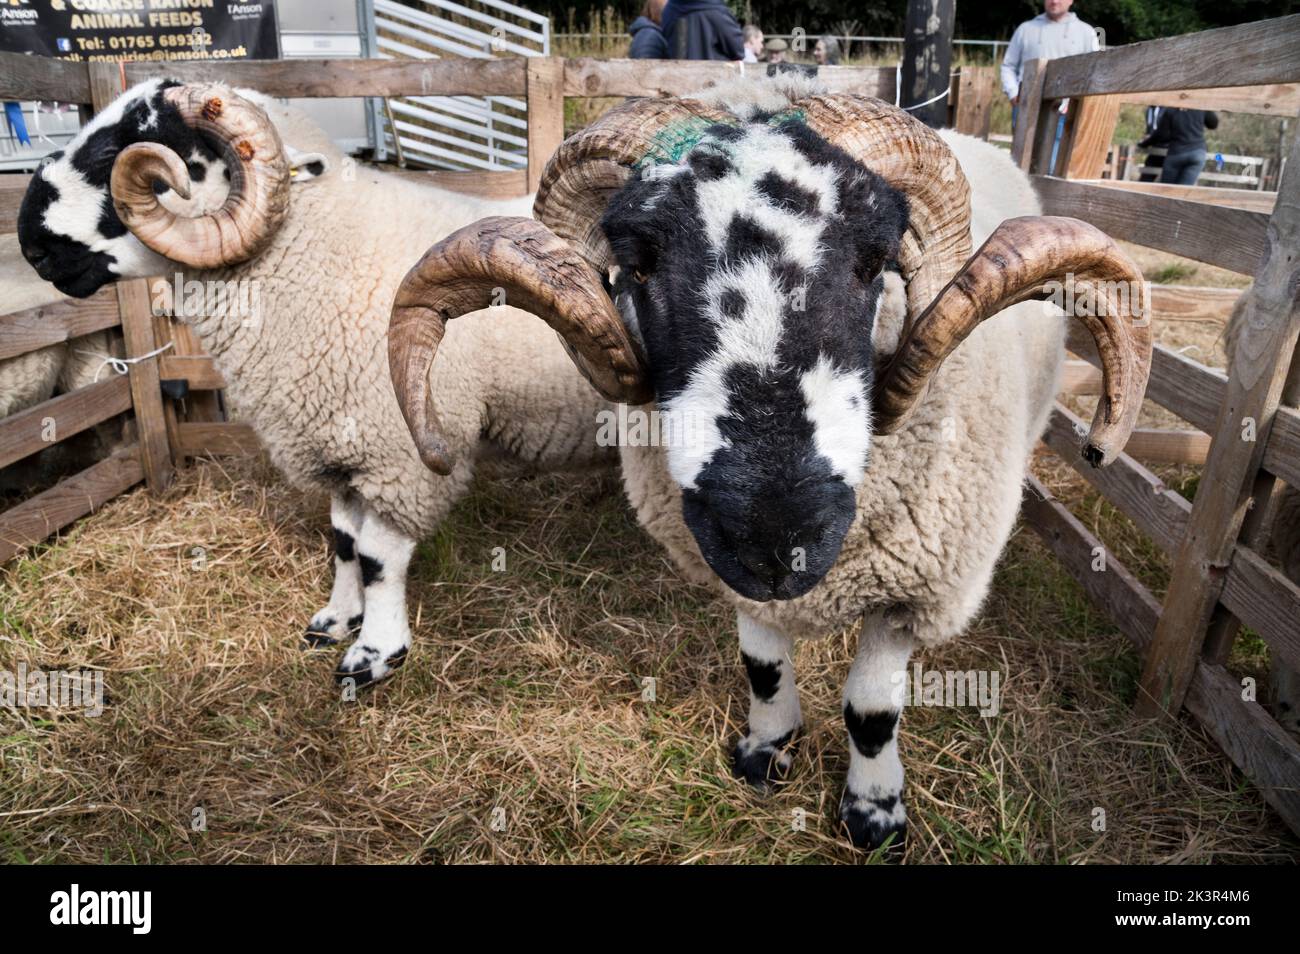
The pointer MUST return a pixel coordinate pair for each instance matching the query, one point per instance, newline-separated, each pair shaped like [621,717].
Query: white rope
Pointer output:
[121,365]
[898,91]
[36,123]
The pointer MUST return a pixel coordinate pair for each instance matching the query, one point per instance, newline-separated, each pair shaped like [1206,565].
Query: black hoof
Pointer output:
[762,766]
[873,826]
[318,634]
[362,672]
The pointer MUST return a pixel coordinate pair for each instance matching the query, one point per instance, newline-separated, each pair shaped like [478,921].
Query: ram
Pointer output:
[294,294]
[840,461]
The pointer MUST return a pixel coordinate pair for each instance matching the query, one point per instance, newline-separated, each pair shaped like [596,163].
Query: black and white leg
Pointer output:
[761,757]
[342,615]
[383,553]
[872,807]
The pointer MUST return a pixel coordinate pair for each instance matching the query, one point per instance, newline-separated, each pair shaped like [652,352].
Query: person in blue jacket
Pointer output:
[648,41]
[702,30]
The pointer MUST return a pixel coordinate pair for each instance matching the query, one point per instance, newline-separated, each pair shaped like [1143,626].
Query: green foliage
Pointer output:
[1173,273]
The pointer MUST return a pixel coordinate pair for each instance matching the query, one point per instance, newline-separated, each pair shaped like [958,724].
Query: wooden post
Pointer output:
[976,87]
[1122,162]
[137,331]
[1049,120]
[1255,382]
[927,58]
[545,86]
[1029,113]
[171,409]
[1255,529]
[1088,134]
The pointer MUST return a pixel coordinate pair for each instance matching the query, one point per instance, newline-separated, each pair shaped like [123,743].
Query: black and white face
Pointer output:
[751,272]
[67,228]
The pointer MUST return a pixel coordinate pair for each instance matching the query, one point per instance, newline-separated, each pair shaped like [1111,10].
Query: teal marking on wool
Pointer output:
[671,144]
[674,141]
[797,115]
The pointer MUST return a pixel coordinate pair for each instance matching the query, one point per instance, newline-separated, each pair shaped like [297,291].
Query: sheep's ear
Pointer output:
[305,166]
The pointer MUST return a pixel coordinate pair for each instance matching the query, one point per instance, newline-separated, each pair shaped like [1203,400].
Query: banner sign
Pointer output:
[140,29]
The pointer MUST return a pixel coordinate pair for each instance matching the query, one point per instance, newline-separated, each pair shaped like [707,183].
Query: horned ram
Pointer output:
[724,257]
[318,246]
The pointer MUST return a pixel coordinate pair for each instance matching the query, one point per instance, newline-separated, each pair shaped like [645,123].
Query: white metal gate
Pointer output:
[460,133]
[50,126]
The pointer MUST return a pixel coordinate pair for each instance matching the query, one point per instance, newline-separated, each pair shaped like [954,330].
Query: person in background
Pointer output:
[701,30]
[752,38]
[775,50]
[1054,33]
[648,41]
[1182,133]
[1151,164]
[827,51]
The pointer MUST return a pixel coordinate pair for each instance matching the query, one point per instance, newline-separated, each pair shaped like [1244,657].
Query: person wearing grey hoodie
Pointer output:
[1054,33]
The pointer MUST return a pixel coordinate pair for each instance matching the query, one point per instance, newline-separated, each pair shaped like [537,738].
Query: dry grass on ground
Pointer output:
[524,694]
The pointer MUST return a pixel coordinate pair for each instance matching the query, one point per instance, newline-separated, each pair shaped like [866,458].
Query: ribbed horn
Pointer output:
[259,182]
[590,166]
[537,271]
[1026,258]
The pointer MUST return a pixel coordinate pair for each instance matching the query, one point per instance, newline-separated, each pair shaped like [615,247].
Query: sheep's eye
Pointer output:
[640,276]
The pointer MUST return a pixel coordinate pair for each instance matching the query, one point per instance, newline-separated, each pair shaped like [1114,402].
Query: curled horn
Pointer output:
[1021,257]
[259,182]
[539,272]
[914,160]
[592,165]
[948,299]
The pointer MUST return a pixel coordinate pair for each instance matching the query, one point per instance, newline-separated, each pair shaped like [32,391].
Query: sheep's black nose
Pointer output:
[43,264]
[765,563]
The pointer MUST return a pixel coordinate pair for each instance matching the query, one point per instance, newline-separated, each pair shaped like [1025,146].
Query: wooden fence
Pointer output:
[1249,443]
[167,430]
[1219,576]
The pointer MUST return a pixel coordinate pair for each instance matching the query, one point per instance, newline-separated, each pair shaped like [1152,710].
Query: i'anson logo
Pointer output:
[103,907]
